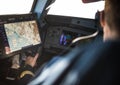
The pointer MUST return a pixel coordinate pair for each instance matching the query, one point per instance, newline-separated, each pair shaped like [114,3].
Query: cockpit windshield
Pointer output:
[15,6]
[75,8]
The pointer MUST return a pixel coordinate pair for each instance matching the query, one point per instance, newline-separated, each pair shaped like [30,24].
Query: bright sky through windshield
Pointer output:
[15,6]
[76,8]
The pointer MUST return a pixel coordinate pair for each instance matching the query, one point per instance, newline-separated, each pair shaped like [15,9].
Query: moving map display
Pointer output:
[22,34]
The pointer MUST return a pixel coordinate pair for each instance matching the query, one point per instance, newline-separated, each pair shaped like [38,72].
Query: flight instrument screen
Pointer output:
[22,34]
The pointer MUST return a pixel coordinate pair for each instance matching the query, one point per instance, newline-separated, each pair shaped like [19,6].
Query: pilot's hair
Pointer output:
[112,13]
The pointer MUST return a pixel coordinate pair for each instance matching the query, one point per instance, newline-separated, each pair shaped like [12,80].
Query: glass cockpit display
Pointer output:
[22,34]
[67,37]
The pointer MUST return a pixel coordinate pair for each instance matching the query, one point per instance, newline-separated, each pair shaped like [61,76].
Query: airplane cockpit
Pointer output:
[47,27]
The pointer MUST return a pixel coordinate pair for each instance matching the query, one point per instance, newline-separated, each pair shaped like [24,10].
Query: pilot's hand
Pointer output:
[31,60]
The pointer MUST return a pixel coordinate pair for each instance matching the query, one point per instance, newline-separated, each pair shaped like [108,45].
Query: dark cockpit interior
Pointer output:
[48,30]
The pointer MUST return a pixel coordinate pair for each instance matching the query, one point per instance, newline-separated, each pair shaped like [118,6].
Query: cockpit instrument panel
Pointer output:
[18,32]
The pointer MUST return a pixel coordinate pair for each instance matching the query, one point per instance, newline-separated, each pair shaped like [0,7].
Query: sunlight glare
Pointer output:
[76,8]
[15,6]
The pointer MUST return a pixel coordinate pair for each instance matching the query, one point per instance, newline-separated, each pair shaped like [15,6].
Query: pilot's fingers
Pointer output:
[36,57]
[29,59]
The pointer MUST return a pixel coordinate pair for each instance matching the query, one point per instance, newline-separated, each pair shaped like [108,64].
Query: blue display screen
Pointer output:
[67,37]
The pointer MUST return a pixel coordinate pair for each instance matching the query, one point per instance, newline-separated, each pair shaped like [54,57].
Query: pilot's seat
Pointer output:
[96,65]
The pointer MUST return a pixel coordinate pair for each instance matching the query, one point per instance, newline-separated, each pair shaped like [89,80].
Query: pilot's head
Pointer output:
[110,19]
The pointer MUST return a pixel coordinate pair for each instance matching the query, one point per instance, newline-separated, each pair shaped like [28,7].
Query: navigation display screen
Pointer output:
[22,34]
